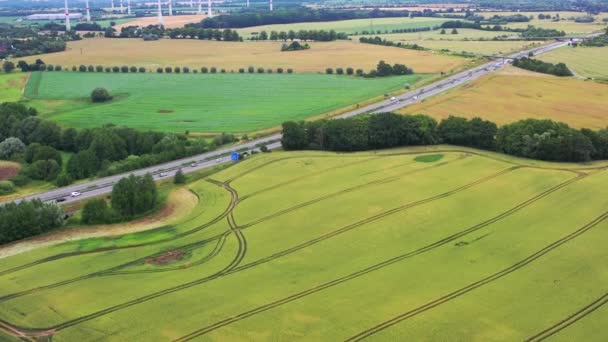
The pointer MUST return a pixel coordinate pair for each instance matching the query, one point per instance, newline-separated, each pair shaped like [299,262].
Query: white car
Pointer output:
[415,98]
[393,98]
[162,174]
[75,194]
[218,160]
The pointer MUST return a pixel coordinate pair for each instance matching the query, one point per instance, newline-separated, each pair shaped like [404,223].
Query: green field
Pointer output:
[585,61]
[202,103]
[425,244]
[350,26]
[11,86]
[463,34]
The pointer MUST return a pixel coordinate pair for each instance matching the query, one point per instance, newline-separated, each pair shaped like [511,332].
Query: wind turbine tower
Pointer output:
[247,3]
[191,3]
[160,14]
[271,5]
[129,7]
[209,11]
[170,7]
[88,11]
[112,5]
[67,17]
[122,9]
[200,7]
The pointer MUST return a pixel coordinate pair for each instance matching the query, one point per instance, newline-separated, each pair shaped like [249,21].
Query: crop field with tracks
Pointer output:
[201,103]
[515,94]
[234,55]
[585,61]
[11,86]
[411,244]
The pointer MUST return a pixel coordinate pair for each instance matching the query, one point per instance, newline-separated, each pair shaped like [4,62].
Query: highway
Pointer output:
[199,162]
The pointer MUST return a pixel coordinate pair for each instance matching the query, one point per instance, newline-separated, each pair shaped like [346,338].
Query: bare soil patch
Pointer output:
[8,170]
[165,111]
[166,258]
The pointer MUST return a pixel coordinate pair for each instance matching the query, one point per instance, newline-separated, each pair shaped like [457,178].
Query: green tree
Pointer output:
[294,136]
[96,211]
[100,95]
[44,170]
[8,66]
[10,147]
[179,178]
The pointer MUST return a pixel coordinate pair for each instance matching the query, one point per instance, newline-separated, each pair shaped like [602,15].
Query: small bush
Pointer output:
[159,70]
[260,70]
[213,70]
[20,180]
[177,70]
[290,71]
[269,71]
[223,71]
[360,72]
[179,178]
[204,70]
[168,70]
[329,71]
[133,69]
[90,68]
[142,70]
[50,67]
[124,69]
[340,71]
[350,71]
[279,70]
[6,187]
[63,180]
[195,71]
[115,69]
[96,211]
[186,70]
[108,69]
[251,70]
[58,68]
[241,70]
[99,68]
[42,67]
[82,68]
[100,95]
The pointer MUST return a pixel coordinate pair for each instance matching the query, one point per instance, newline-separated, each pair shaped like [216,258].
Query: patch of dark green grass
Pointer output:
[431,158]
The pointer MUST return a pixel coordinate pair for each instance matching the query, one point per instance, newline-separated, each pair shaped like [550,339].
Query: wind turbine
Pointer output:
[88,11]
[200,7]
[112,5]
[209,11]
[247,3]
[160,14]
[191,3]
[122,9]
[271,5]
[129,7]
[170,7]
[67,17]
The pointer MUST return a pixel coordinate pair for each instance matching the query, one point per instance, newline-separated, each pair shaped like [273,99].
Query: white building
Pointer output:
[54,16]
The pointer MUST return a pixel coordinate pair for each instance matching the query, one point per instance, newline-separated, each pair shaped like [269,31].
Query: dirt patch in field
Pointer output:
[9,171]
[166,258]
[179,204]
[165,111]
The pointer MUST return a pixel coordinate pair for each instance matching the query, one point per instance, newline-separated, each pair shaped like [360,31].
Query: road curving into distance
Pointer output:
[104,185]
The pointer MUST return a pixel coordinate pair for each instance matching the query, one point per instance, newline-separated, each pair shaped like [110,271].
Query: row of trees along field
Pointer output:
[559,69]
[108,150]
[529,32]
[536,139]
[28,218]
[384,42]
[383,69]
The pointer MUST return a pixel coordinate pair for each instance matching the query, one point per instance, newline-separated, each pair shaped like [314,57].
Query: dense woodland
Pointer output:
[536,139]
[99,151]
[33,217]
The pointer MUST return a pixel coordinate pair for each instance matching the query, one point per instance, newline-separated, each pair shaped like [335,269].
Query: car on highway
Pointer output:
[193,164]
[162,174]
[393,98]
[218,160]
[59,200]
[415,98]
[75,194]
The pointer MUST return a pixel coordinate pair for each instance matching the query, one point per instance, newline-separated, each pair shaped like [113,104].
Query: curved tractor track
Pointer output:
[234,267]
[565,323]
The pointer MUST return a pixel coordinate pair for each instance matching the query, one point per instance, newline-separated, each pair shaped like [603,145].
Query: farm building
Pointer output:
[54,16]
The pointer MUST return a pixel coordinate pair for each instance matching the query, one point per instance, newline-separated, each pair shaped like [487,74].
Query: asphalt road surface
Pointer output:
[199,162]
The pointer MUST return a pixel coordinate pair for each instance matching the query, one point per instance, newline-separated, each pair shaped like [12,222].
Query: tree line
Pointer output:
[402,30]
[559,69]
[28,218]
[318,35]
[598,41]
[384,42]
[226,35]
[536,139]
[287,15]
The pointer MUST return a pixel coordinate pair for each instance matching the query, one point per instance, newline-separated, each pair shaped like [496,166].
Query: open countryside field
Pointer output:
[570,27]
[463,34]
[169,21]
[515,94]
[409,244]
[349,26]
[479,47]
[585,61]
[234,55]
[202,103]
[11,86]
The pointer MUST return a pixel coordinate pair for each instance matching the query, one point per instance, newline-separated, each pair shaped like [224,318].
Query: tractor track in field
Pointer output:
[464,290]
[184,234]
[233,268]
[378,266]
[570,320]
[228,212]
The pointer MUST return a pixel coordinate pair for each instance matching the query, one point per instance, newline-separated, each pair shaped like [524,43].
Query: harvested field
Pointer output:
[170,22]
[8,169]
[235,55]
[323,246]
[516,94]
